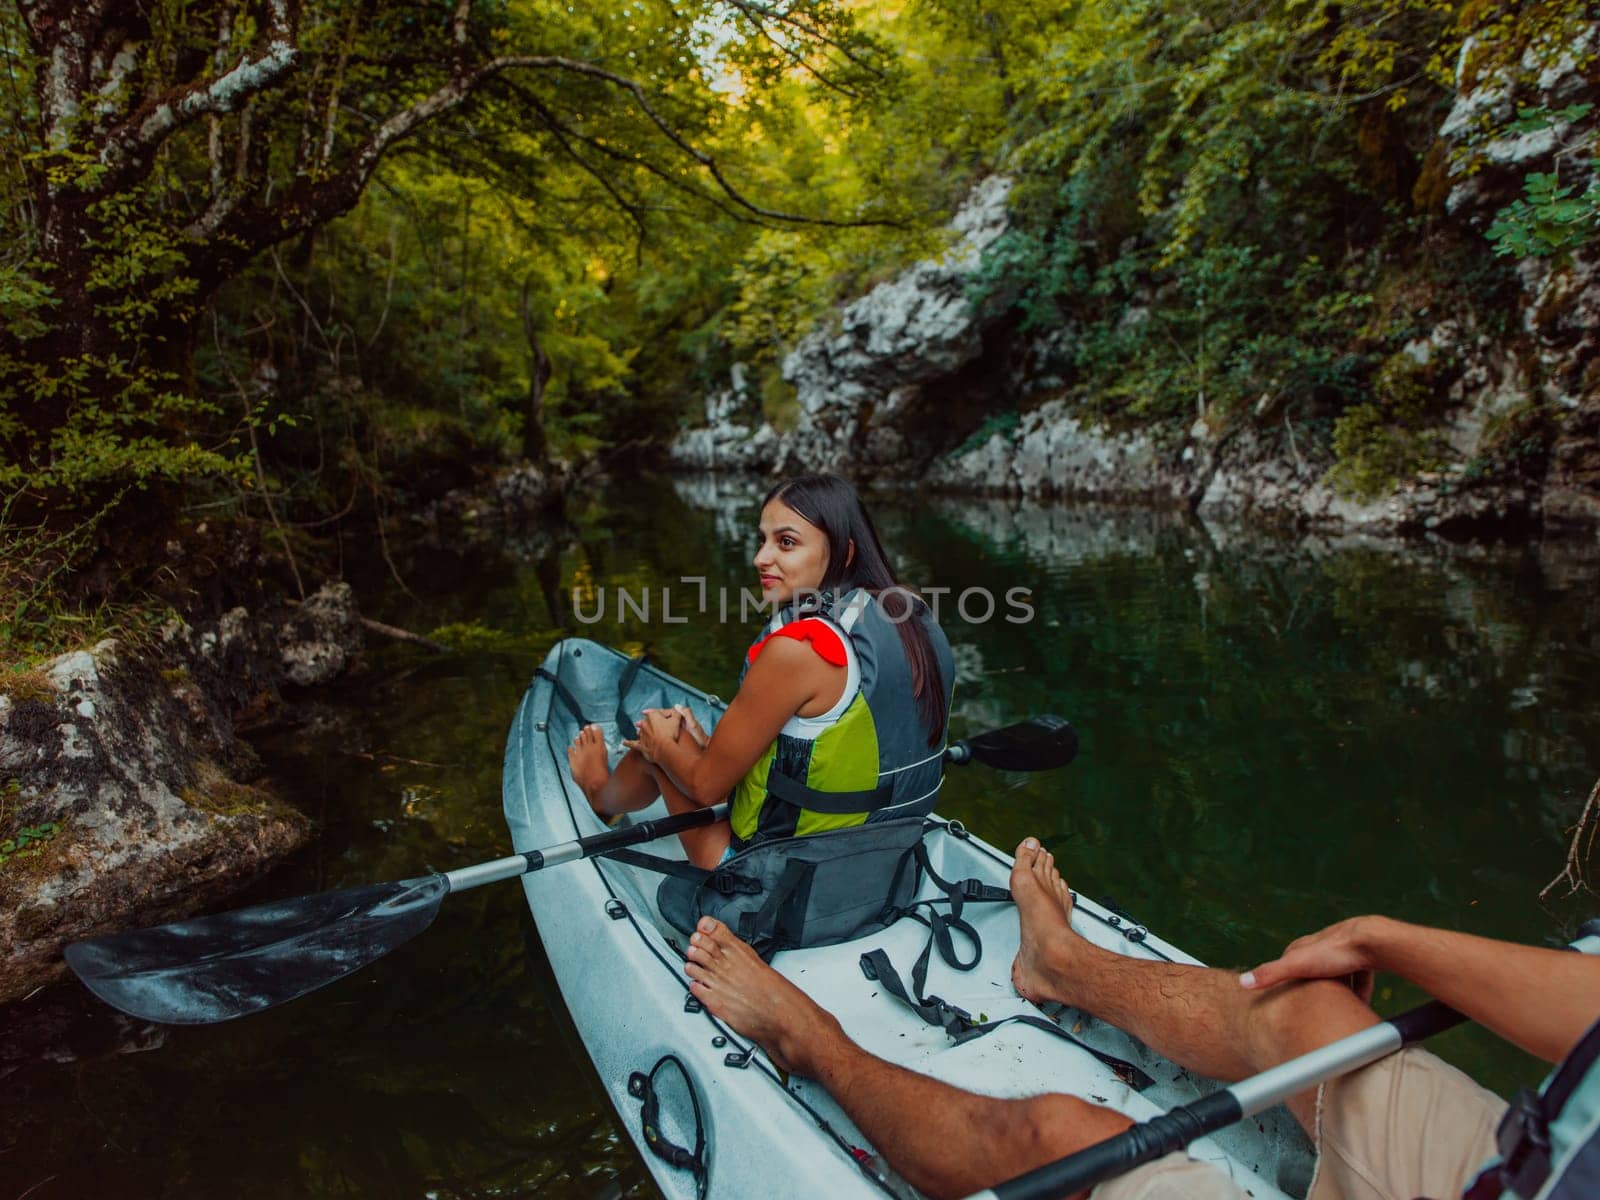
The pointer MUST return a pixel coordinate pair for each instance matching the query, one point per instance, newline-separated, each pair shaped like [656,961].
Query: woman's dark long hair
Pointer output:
[832,505]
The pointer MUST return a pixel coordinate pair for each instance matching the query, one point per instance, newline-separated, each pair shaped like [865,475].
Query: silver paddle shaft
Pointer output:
[1277,1084]
[513,865]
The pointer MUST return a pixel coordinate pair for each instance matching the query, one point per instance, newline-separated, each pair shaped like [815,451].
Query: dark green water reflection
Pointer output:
[1276,734]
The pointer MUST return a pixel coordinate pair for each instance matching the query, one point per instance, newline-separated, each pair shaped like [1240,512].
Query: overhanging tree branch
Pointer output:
[243,232]
[130,146]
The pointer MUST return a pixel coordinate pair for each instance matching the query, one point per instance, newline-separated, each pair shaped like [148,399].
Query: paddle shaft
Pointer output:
[1171,1131]
[513,865]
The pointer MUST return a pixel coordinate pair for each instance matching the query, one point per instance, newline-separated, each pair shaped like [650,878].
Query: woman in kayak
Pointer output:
[842,706]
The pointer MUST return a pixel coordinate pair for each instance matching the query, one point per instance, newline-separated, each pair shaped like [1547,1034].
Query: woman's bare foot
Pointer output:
[729,978]
[587,759]
[1044,905]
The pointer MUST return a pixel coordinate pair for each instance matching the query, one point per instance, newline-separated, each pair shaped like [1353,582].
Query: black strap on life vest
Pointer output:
[801,795]
[641,1086]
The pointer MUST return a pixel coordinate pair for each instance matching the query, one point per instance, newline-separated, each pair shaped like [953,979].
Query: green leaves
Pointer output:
[28,842]
[1549,219]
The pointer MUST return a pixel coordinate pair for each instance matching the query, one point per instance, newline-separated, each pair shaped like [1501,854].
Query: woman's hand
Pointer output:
[1341,951]
[657,727]
[692,727]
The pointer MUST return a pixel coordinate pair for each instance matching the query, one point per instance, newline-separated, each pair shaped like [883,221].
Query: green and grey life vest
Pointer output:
[867,757]
[1549,1140]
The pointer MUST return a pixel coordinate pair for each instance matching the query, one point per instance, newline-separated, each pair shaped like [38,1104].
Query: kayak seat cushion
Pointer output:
[817,890]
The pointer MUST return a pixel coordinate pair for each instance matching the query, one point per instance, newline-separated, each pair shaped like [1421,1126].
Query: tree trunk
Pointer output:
[539,370]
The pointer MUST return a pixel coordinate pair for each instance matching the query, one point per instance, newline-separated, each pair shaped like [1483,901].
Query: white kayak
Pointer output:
[759,1132]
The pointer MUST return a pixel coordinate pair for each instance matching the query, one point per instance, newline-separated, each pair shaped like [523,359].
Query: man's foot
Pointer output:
[1044,905]
[729,978]
[590,769]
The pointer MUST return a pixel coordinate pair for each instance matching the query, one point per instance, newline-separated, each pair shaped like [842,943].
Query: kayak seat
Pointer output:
[817,890]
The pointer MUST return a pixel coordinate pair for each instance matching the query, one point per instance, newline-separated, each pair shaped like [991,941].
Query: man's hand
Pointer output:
[1341,951]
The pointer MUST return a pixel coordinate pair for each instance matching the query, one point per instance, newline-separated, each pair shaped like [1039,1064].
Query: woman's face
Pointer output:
[792,554]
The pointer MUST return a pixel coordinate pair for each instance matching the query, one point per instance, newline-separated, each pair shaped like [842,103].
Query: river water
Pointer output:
[1276,734]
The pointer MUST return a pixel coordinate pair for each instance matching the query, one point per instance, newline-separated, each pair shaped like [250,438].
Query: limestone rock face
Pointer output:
[1052,453]
[908,371]
[139,770]
[1560,301]
[735,437]
[857,379]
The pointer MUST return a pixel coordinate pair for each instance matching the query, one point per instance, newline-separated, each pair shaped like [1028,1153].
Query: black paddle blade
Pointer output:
[229,965]
[1040,743]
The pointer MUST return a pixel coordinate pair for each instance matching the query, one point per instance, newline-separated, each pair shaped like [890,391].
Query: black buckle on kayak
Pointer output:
[616,909]
[739,1058]
[1523,1140]
[977,889]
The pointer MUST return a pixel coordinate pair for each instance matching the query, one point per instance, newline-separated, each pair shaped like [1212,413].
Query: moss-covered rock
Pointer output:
[129,758]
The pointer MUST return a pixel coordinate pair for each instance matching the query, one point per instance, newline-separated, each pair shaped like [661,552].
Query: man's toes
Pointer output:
[705,946]
[1027,852]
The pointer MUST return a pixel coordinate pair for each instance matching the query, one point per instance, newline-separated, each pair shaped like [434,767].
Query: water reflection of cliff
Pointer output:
[1181,633]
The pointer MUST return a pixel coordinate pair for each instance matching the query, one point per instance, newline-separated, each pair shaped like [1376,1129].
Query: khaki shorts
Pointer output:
[1409,1125]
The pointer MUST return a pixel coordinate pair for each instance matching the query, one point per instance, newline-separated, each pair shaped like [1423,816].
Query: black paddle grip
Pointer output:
[1424,1021]
[534,859]
[1118,1155]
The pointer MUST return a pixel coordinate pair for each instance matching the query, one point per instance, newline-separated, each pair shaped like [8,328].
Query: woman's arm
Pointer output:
[1542,1000]
[786,678]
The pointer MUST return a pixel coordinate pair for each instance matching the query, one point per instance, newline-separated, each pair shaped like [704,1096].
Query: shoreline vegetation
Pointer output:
[278,280]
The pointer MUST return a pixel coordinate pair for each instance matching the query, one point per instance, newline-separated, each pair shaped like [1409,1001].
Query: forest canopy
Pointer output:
[318,257]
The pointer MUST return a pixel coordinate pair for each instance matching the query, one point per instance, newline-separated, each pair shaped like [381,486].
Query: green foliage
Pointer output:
[38,616]
[1386,440]
[474,637]
[28,842]
[1548,219]
[1185,202]
[1001,423]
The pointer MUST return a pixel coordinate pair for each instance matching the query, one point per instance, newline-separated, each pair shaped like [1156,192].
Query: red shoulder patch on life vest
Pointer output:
[823,637]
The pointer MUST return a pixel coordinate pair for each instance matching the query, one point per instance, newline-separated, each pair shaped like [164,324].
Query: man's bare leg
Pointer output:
[1198,1017]
[946,1142]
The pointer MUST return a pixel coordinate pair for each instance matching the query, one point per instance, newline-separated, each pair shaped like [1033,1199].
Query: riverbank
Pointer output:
[130,793]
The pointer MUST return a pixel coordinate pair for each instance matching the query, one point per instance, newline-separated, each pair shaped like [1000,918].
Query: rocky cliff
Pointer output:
[914,383]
